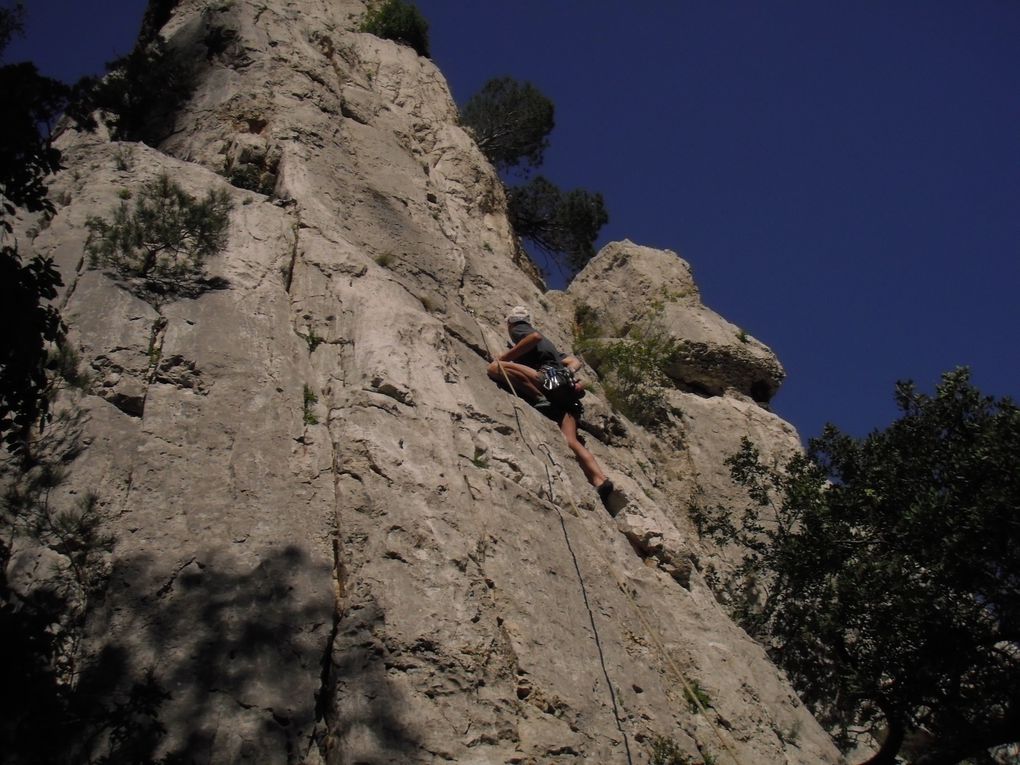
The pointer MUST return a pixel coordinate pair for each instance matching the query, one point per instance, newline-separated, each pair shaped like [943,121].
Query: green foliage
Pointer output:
[399,21]
[696,697]
[165,239]
[26,156]
[40,626]
[217,39]
[891,570]
[30,323]
[310,400]
[12,22]
[122,159]
[251,178]
[633,369]
[31,326]
[511,122]
[665,751]
[564,224]
[141,92]
[480,459]
[313,340]
[42,620]
[586,325]
[65,362]
[157,14]
[78,535]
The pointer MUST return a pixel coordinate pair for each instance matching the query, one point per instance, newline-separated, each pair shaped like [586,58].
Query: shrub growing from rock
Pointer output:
[164,239]
[255,169]
[634,377]
[399,21]
[632,368]
[141,92]
[891,565]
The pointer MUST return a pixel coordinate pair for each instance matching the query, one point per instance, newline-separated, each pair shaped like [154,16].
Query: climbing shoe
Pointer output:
[612,498]
[604,489]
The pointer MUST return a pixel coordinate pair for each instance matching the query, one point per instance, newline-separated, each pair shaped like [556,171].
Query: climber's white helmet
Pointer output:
[517,314]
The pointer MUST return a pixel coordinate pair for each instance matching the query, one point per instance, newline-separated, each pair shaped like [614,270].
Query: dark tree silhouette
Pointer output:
[511,122]
[560,223]
[30,323]
[401,22]
[890,568]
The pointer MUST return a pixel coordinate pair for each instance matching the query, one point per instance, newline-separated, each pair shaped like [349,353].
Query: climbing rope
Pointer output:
[653,633]
[570,548]
[689,691]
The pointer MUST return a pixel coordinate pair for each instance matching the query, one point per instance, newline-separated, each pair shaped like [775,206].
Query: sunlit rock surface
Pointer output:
[336,540]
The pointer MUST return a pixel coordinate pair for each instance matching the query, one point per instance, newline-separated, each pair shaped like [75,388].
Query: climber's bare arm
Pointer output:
[521,347]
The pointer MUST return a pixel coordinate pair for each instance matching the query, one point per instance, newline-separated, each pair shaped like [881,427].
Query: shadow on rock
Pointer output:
[363,710]
[226,658]
[222,662]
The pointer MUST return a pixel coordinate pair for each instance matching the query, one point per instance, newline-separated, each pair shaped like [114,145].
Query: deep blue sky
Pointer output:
[844,177]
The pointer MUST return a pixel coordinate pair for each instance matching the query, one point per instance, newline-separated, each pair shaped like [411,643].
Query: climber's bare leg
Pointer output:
[592,471]
[525,380]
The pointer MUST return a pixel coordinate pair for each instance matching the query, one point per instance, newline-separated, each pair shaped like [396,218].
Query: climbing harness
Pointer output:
[657,640]
[558,384]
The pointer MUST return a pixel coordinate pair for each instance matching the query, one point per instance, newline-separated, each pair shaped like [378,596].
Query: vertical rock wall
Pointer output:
[336,540]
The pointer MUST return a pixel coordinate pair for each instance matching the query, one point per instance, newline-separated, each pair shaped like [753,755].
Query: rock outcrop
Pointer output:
[336,540]
[712,356]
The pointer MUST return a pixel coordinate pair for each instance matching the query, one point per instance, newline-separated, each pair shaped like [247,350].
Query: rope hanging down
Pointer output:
[660,647]
[570,549]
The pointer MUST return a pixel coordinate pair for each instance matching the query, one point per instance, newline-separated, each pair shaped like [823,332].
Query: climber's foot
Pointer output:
[612,499]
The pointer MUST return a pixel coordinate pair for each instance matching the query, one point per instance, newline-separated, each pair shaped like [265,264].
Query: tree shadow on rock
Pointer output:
[221,662]
[215,655]
[235,650]
[363,710]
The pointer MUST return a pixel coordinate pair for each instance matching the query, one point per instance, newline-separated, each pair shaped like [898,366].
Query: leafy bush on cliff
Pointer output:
[632,372]
[141,92]
[165,239]
[892,566]
[399,21]
[632,368]
[31,323]
[31,327]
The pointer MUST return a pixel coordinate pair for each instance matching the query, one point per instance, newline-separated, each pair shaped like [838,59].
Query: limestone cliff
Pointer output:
[336,540]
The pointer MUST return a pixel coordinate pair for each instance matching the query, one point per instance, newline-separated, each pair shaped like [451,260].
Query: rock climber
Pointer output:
[530,360]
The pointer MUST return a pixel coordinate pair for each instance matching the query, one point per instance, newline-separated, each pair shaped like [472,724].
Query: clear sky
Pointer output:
[843,176]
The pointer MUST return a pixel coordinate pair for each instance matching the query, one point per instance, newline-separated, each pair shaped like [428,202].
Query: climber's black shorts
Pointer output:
[556,412]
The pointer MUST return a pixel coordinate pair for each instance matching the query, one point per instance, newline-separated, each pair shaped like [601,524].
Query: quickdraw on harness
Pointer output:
[559,384]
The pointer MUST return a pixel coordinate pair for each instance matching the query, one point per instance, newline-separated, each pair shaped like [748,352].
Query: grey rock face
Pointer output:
[336,540]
